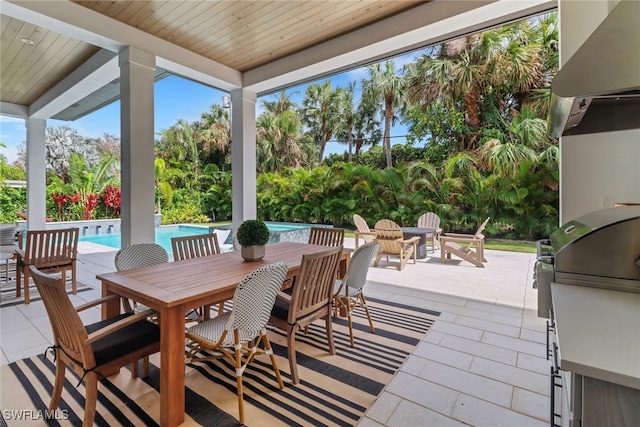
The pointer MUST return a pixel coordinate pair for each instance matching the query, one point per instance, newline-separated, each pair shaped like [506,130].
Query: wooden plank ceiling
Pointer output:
[240,34]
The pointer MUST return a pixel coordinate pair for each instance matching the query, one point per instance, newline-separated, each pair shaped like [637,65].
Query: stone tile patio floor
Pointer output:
[483,363]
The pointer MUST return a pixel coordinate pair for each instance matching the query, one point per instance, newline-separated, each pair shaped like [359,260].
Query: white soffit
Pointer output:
[430,23]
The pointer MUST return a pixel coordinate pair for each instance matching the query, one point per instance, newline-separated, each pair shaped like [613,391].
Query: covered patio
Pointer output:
[483,362]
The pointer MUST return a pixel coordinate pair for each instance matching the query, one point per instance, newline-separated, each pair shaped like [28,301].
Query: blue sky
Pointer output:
[175,98]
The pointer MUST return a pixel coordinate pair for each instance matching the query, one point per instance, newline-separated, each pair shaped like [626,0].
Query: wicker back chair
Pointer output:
[347,293]
[95,350]
[134,256]
[238,333]
[140,255]
[310,300]
[48,250]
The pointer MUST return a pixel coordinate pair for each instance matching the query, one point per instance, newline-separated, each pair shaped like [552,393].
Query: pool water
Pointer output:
[280,232]
[163,236]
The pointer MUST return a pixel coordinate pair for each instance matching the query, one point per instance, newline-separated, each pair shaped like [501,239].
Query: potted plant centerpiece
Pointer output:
[252,235]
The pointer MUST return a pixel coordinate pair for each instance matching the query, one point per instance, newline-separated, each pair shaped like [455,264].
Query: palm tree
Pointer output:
[281,104]
[492,74]
[386,89]
[212,134]
[366,128]
[524,136]
[178,146]
[320,113]
[348,116]
[164,192]
[278,141]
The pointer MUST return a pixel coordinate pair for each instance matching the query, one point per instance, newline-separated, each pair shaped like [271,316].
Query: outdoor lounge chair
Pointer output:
[469,247]
[389,237]
[310,300]
[431,220]
[347,293]
[362,227]
[47,250]
[238,332]
[92,351]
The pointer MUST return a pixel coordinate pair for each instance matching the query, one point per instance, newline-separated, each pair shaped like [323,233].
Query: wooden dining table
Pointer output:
[174,287]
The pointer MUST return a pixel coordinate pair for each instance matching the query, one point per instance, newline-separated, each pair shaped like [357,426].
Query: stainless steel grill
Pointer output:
[600,249]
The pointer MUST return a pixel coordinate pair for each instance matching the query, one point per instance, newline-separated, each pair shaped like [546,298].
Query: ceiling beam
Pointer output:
[79,22]
[99,70]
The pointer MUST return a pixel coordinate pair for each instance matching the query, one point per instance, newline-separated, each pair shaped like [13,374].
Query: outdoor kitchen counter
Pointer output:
[598,333]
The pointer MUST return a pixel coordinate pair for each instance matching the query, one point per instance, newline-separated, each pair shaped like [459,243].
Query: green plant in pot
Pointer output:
[252,235]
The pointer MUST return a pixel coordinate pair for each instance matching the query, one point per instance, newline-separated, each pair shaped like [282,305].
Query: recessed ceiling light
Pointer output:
[26,41]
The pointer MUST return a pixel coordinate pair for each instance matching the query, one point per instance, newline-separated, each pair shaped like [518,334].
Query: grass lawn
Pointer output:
[510,245]
[496,244]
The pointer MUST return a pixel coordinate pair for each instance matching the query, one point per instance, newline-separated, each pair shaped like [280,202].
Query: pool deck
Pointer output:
[483,363]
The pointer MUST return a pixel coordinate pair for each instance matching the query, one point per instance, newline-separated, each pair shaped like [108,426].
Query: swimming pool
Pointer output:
[280,232]
[163,236]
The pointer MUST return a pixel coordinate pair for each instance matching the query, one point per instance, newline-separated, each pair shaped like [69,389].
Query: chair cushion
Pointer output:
[280,309]
[123,341]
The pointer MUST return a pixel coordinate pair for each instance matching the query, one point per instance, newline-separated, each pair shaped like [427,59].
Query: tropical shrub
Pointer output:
[12,200]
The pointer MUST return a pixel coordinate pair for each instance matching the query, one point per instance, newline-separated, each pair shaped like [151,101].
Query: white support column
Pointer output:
[243,155]
[36,174]
[137,145]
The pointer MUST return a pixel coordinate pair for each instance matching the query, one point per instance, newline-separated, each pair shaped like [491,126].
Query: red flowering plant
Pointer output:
[89,204]
[60,199]
[112,197]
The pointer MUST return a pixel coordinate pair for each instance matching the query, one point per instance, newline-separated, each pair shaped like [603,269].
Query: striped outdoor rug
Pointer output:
[8,292]
[334,390]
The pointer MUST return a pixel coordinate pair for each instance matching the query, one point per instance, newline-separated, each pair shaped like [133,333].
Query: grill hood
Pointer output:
[598,89]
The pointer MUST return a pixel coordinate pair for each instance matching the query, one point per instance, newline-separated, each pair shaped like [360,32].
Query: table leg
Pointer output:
[112,307]
[172,367]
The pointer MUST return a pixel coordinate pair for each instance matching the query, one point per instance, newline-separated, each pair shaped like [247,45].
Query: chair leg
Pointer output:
[267,348]
[350,328]
[27,300]
[291,353]
[363,302]
[238,360]
[91,385]
[74,283]
[58,384]
[329,326]
[18,276]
